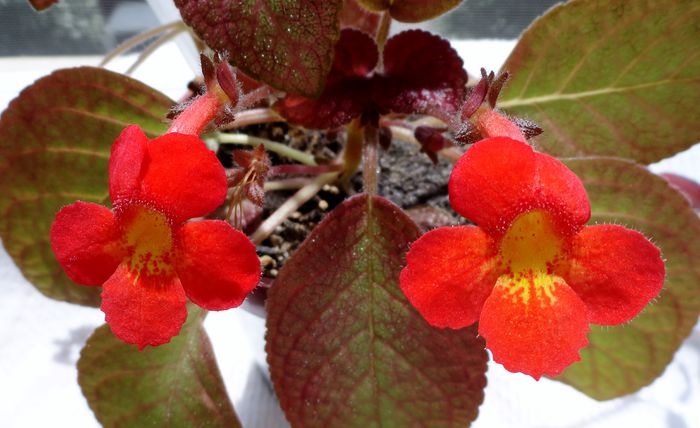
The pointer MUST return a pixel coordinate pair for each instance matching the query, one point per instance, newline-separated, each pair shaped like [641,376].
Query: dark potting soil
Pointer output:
[407,177]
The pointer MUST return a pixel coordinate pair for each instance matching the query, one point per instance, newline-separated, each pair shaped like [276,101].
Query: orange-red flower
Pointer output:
[531,273]
[143,251]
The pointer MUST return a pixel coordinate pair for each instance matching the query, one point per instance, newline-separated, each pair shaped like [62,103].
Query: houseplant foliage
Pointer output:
[347,342]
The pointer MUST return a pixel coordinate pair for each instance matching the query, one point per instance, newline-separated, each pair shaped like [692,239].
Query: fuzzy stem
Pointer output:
[140,38]
[352,152]
[292,204]
[197,115]
[279,148]
[303,169]
[370,160]
[253,117]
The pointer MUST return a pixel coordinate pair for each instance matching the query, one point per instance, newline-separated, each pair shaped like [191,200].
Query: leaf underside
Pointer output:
[55,141]
[175,385]
[344,345]
[622,359]
[285,44]
[615,78]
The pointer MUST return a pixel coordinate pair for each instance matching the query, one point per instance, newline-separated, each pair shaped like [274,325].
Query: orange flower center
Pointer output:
[531,244]
[147,236]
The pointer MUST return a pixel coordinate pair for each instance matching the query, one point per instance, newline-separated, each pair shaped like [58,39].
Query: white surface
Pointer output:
[41,338]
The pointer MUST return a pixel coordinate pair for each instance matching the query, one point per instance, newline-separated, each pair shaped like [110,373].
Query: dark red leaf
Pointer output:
[345,347]
[423,74]
[347,93]
[411,10]
[286,44]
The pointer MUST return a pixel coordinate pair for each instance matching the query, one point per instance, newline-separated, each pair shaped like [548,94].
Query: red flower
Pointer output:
[531,273]
[143,252]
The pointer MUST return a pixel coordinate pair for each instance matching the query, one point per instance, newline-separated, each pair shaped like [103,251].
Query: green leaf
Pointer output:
[42,4]
[175,385]
[621,360]
[55,141]
[618,78]
[287,44]
[411,10]
[345,347]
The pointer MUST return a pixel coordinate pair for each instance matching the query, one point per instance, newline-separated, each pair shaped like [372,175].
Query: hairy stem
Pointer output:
[140,38]
[253,117]
[370,160]
[279,148]
[292,204]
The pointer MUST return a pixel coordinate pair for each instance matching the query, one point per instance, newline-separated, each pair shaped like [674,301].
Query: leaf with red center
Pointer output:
[286,44]
[411,10]
[182,177]
[534,324]
[497,179]
[449,273]
[216,263]
[177,384]
[347,92]
[55,141]
[344,345]
[621,360]
[422,74]
[143,310]
[617,78]
[355,16]
[42,4]
[84,238]
[615,270]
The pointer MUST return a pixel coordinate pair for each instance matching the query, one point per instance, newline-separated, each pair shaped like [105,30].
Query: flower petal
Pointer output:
[449,273]
[126,164]
[491,180]
[615,271]
[143,310]
[498,179]
[534,325]
[84,238]
[216,263]
[183,177]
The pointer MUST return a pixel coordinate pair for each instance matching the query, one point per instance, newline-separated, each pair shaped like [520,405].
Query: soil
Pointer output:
[407,177]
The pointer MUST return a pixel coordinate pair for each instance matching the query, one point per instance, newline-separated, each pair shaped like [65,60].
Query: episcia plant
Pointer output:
[566,257]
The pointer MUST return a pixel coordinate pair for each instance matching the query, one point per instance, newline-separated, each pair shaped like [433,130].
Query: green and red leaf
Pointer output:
[621,360]
[615,78]
[411,10]
[174,385]
[344,345]
[285,44]
[55,141]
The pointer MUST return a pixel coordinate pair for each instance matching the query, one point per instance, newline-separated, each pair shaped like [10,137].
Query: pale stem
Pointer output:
[140,38]
[273,146]
[286,184]
[160,41]
[370,162]
[253,117]
[452,154]
[292,204]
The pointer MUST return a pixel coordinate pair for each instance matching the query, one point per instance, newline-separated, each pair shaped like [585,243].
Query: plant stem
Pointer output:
[303,169]
[140,38]
[370,162]
[352,152]
[148,51]
[287,184]
[253,117]
[279,148]
[292,204]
